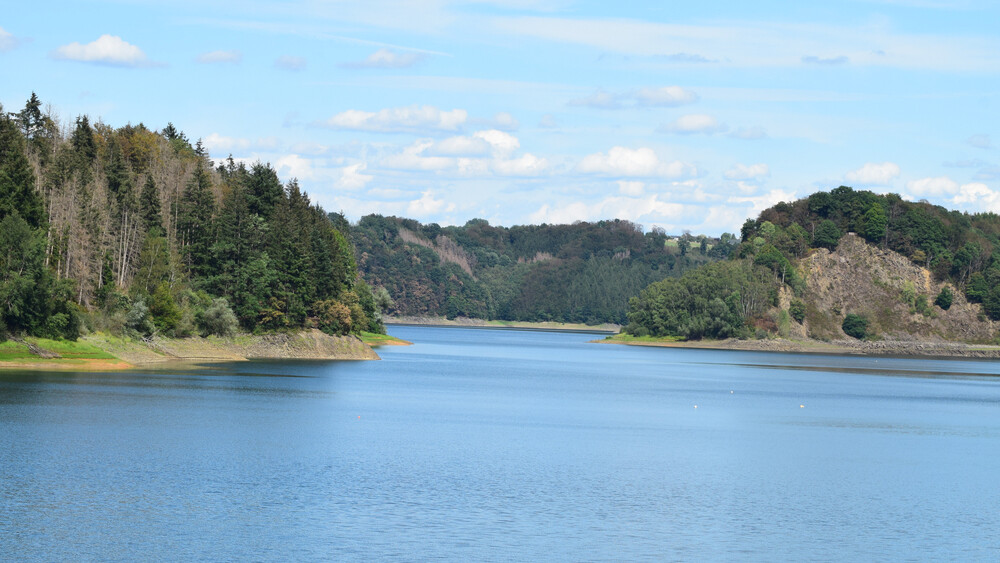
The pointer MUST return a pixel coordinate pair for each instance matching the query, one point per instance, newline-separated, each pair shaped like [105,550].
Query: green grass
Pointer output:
[71,350]
[373,339]
[10,351]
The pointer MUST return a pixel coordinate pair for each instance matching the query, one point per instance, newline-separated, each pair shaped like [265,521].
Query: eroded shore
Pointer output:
[465,322]
[105,352]
[937,349]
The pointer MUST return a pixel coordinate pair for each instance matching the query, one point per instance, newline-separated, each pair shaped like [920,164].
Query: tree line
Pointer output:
[137,231]
[714,301]
[580,273]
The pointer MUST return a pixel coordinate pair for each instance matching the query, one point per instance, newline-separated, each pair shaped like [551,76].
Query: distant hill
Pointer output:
[580,273]
[839,264]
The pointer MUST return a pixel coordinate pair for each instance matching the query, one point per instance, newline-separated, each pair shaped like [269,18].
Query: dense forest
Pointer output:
[136,231]
[724,300]
[581,273]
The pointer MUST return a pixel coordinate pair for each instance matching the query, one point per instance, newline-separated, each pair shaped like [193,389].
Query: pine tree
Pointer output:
[194,223]
[17,180]
[149,204]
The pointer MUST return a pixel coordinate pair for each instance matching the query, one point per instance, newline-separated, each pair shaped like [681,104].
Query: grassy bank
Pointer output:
[373,339]
[43,353]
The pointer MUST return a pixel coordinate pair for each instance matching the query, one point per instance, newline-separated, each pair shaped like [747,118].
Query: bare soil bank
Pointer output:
[128,353]
[306,345]
[481,323]
[873,348]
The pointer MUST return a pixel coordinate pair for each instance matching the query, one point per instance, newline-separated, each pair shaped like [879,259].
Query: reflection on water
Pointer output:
[495,444]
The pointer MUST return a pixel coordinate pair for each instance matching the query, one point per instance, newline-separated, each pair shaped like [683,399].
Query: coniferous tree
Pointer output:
[149,203]
[194,222]
[17,180]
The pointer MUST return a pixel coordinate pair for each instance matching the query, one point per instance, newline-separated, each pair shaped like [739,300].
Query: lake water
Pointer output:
[507,445]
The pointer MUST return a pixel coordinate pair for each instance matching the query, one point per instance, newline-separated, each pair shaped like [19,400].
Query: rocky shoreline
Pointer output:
[938,349]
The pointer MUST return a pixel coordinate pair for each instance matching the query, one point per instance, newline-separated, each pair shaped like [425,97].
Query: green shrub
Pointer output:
[855,326]
[944,298]
[138,321]
[797,310]
[219,319]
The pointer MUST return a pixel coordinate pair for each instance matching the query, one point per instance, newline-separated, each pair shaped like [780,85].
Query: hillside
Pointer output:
[138,232]
[894,294]
[840,265]
[580,273]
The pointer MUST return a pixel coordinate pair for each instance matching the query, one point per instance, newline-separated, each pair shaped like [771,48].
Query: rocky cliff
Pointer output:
[894,294]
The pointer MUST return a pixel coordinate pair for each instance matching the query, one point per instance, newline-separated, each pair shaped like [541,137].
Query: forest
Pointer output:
[579,273]
[134,231]
[960,248]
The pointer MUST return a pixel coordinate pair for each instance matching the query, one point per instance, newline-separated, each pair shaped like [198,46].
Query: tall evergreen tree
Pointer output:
[194,222]
[149,204]
[17,180]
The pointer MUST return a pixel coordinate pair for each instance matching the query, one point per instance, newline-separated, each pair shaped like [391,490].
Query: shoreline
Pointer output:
[883,348]
[465,322]
[103,352]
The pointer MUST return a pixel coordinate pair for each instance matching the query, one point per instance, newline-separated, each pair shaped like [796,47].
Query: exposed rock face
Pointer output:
[863,279]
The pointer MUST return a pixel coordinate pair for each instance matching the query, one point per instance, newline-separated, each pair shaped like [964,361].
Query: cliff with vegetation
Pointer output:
[580,273]
[138,233]
[849,266]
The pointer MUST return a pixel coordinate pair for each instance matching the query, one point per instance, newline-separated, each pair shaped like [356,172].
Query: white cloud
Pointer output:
[459,146]
[631,187]
[289,62]
[219,143]
[386,58]
[980,141]
[505,121]
[769,44]
[7,41]
[625,162]
[107,50]
[480,154]
[395,120]
[938,186]
[749,133]
[480,143]
[294,166]
[413,158]
[666,96]
[872,173]
[503,143]
[759,203]
[427,205]
[978,196]
[526,165]
[600,99]
[752,172]
[695,123]
[232,57]
[548,121]
[825,61]
[629,208]
[351,177]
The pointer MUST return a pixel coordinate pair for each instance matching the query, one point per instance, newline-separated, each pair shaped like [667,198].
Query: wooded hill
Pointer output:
[136,231]
[898,273]
[580,273]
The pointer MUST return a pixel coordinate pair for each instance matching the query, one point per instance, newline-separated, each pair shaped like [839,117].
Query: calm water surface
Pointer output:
[507,445]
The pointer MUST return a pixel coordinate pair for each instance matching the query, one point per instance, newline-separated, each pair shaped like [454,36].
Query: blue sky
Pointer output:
[682,115]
